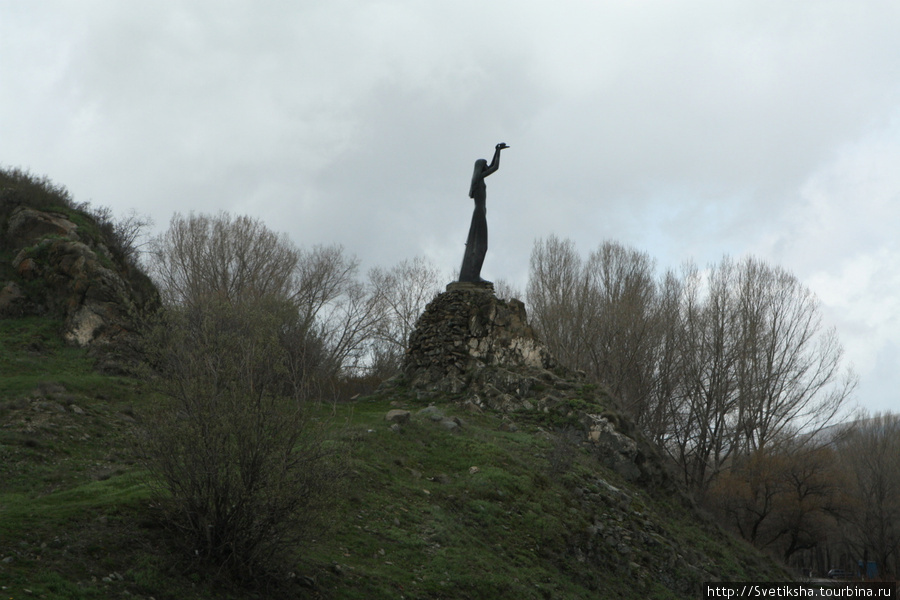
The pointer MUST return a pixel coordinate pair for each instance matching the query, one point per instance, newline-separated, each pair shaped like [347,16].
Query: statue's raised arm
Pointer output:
[495,162]
[476,244]
[482,170]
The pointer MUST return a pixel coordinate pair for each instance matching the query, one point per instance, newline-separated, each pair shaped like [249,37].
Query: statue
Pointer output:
[476,244]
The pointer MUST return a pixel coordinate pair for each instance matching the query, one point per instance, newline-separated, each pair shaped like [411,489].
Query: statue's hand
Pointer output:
[501,146]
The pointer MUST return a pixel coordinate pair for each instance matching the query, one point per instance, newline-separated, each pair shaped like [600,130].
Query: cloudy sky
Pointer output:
[689,129]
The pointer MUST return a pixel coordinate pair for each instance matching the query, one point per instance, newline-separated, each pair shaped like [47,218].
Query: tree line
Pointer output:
[711,364]
[350,325]
[729,369]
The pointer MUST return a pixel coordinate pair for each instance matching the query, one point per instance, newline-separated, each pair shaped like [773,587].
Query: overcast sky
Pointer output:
[689,129]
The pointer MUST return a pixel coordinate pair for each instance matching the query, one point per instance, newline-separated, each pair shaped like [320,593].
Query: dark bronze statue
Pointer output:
[476,244]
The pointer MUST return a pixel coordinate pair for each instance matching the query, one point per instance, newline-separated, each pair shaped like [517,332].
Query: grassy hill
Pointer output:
[491,509]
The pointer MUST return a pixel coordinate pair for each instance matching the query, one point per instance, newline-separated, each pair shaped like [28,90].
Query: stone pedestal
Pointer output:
[468,341]
[470,286]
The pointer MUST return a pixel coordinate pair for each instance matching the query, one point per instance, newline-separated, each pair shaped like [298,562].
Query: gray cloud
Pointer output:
[687,129]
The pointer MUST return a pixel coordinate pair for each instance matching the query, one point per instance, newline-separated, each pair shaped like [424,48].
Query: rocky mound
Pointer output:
[465,332]
[480,350]
[55,262]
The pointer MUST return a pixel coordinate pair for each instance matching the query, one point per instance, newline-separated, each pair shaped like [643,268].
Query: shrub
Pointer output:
[243,472]
[21,187]
[121,235]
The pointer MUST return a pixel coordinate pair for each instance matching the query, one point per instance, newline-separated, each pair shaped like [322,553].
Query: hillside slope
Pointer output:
[509,508]
[498,473]
[451,503]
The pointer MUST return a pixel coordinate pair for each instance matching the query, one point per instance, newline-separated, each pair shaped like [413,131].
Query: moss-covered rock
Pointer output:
[55,262]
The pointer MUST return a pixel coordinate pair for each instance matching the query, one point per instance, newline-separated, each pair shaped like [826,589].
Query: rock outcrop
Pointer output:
[55,263]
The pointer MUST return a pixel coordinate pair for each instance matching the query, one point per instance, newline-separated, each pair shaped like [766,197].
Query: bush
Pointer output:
[121,235]
[243,472]
[21,187]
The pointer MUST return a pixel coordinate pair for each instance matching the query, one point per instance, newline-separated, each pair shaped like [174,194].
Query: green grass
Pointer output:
[32,353]
[69,481]
[416,520]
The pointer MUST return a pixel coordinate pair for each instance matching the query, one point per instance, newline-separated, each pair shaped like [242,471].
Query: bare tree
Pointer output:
[351,326]
[626,329]
[505,290]
[711,364]
[786,497]
[238,259]
[233,258]
[710,390]
[123,234]
[789,366]
[403,290]
[665,396]
[603,316]
[322,275]
[870,454]
[341,311]
[559,300]
[755,363]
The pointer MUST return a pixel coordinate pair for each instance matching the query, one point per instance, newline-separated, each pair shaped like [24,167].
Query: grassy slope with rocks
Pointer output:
[485,510]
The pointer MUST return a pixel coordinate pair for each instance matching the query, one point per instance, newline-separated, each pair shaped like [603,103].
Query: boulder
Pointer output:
[10,297]
[397,416]
[431,412]
[28,225]
[450,424]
